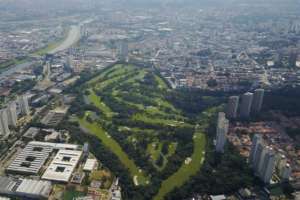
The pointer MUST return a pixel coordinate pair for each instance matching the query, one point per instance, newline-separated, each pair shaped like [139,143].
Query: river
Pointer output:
[72,38]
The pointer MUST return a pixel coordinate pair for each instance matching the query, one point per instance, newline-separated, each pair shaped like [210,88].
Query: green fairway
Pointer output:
[187,170]
[161,83]
[138,123]
[96,100]
[154,150]
[112,72]
[157,121]
[106,139]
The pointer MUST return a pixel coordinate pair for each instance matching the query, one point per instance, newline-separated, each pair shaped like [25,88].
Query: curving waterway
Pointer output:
[72,38]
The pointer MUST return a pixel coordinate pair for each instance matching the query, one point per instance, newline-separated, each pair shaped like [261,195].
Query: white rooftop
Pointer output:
[62,166]
[57,146]
[90,164]
[25,188]
[31,159]
[218,197]
[34,187]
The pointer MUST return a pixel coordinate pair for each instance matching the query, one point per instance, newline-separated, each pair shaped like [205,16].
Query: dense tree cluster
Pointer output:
[194,101]
[221,174]
[23,86]
[285,100]
[216,169]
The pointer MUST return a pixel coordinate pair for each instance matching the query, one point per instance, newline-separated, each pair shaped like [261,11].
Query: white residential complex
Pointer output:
[264,161]
[246,104]
[4,129]
[23,105]
[258,100]
[12,114]
[222,130]
[232,107]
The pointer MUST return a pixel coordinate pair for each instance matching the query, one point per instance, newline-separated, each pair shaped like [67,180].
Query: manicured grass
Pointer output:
[166,104]
[157,121]
[96,100]
[186,170]
[117,70]
[154,149]
[153,110]
[172,149]
[139,131]
[161,83]
[72,194]
[140,76]
[112,72]
[108,141]
[114,80]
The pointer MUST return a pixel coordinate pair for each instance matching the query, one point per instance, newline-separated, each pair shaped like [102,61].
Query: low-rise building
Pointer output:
[90,165]
[25,188]
[62,166]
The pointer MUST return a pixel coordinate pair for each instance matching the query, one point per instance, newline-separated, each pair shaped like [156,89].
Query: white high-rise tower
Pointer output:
[269,161]
[246,104]
[232,107]
[4,130]
[23,105]
[258,100]
[12,114]
[257,139]
[222,130]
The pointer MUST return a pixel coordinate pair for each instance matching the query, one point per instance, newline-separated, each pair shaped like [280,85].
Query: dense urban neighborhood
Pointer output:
[158,100]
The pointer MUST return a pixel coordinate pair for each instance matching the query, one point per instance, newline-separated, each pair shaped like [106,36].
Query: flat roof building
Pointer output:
[30,160]
[57,146]
[54,117]
[31,133]
[62,166]
[25,188]
[90,165]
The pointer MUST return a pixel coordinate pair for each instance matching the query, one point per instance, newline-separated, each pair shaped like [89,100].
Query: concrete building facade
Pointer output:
[23,105]
[232,107]
[257,139]
[258,98]
[4,129]
[222,130]
[246,104]
[12,114]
